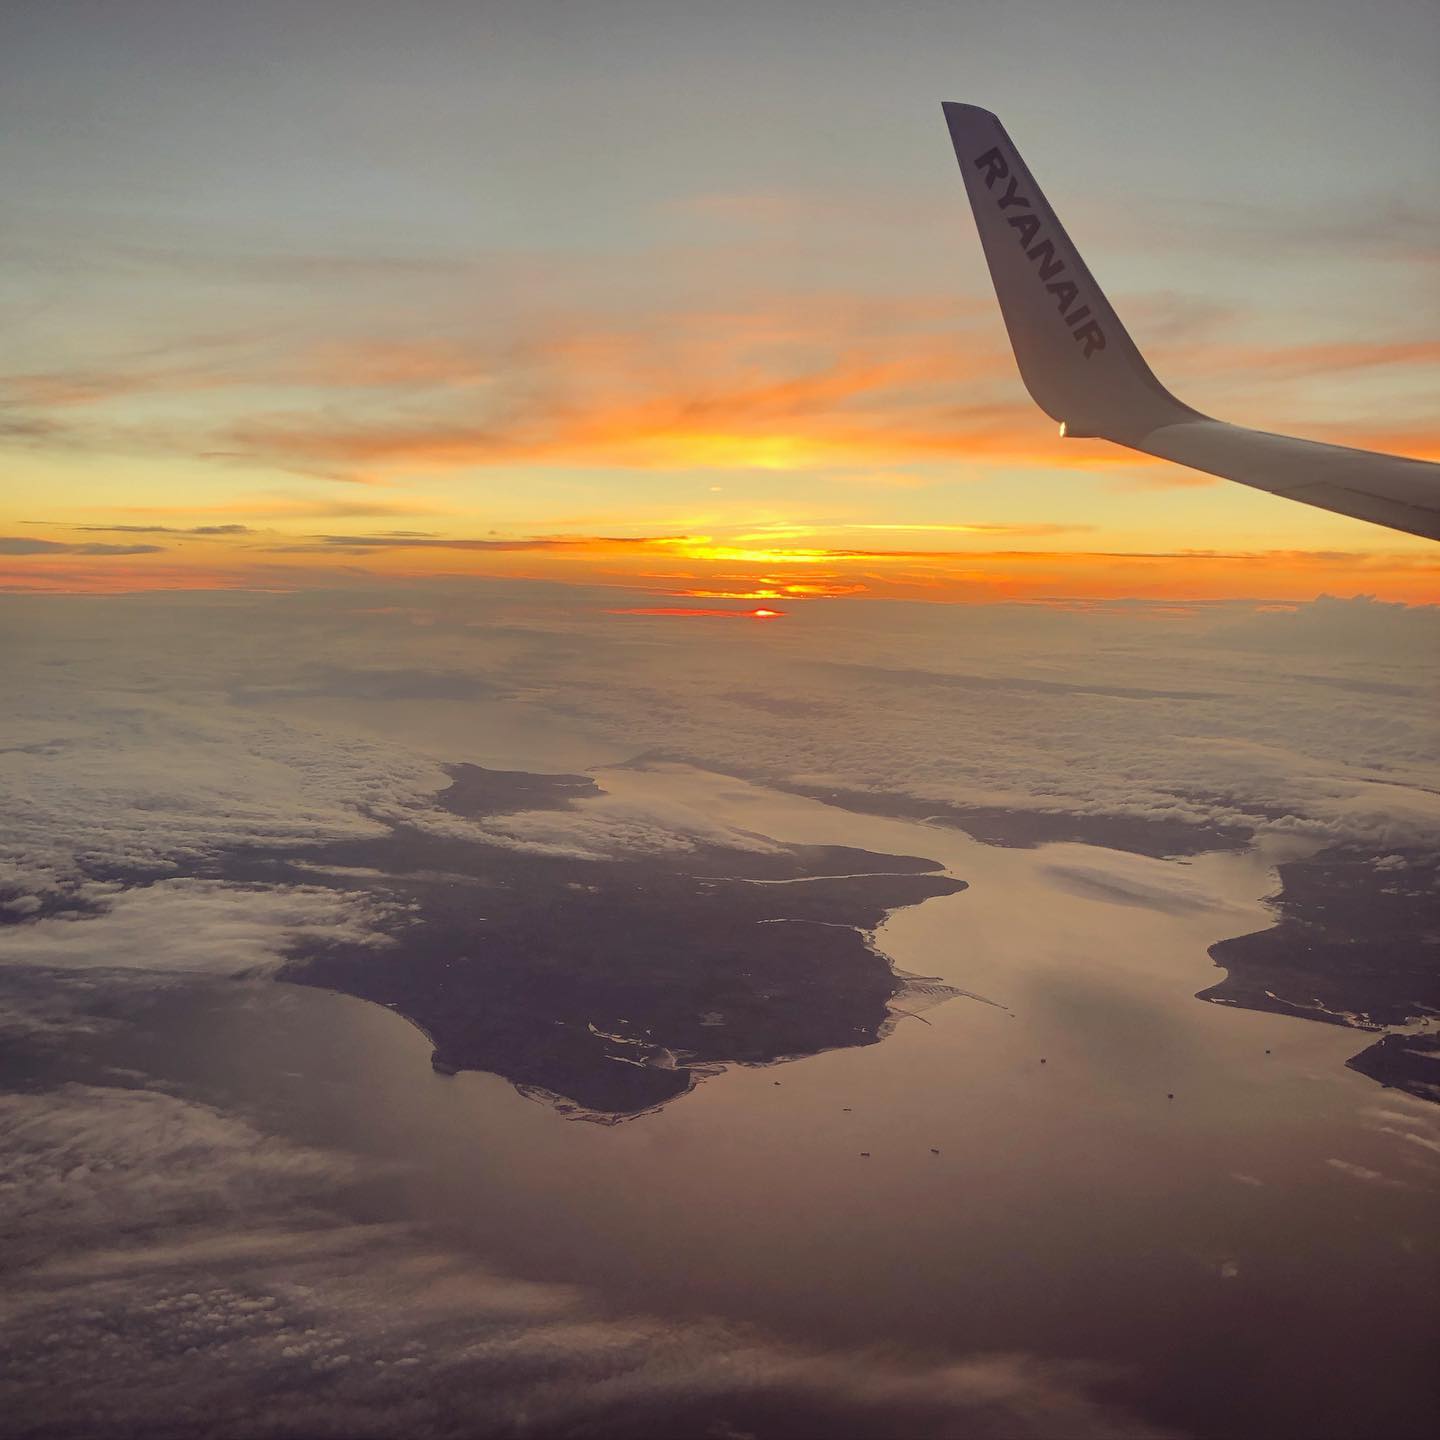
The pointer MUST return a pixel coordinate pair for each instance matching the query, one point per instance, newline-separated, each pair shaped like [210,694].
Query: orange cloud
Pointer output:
[828,381]
[844,409]
[782,391]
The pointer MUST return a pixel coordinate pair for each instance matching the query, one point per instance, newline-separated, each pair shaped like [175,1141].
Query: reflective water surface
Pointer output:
[1077,1160]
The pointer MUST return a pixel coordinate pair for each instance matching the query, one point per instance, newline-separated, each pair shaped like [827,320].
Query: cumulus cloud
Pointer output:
[423,1347]
[1117,879]
[190,926]
[672,813]
[1364,1174]
[146,768]
[389,683]
[1415,1128]
[1184,726]
[207,1281]
[85,1158]
[1311,720]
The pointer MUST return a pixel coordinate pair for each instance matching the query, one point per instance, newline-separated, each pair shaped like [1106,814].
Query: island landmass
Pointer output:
[1356,943]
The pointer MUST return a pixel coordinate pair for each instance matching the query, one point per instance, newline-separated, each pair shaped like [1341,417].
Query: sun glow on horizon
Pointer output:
[694,612]
[798,389]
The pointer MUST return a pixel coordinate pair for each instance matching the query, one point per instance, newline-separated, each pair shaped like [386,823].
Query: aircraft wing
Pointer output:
[1083,369]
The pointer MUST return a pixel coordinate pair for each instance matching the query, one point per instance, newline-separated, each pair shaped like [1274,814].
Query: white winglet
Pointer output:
[1083,369]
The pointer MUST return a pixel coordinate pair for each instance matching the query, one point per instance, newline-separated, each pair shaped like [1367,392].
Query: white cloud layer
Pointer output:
[151,729]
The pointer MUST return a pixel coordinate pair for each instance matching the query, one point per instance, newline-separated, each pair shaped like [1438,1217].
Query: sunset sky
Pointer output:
[692,304]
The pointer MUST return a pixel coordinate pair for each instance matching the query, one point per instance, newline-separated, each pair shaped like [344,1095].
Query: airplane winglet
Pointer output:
[1075,356]
[1083,369]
